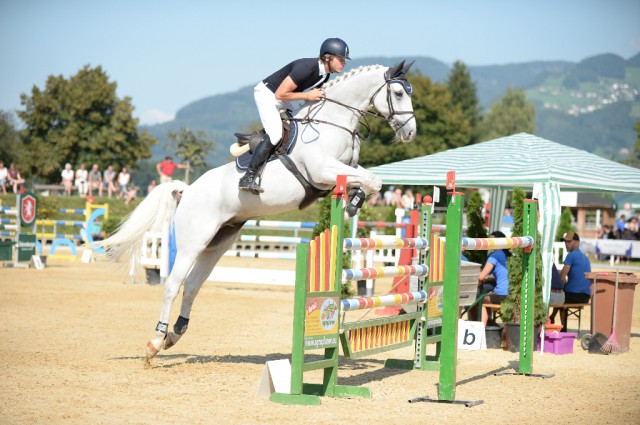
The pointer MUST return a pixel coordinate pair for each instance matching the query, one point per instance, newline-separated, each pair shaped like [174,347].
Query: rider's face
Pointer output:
[337,63]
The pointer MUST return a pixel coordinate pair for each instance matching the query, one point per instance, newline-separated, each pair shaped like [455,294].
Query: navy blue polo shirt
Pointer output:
[306,73]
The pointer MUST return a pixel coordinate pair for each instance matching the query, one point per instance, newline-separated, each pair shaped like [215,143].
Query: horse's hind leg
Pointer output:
[201,270]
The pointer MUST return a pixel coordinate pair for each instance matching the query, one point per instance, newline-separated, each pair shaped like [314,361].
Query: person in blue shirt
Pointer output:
[577,288]
[496,266]
[621,226]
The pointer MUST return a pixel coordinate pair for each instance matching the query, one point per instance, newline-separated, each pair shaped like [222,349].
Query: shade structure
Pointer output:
[522,160]
[517,160]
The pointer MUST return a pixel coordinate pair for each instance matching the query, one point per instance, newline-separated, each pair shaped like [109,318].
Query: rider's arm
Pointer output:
[286,92]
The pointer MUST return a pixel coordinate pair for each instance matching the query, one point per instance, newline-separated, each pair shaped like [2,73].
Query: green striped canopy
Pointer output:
[522,160]
[517,160]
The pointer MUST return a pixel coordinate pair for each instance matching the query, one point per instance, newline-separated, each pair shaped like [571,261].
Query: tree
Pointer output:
[9,139]
[510,306]
[441,126]
[192,147]
[475,227]
[464,94]
[565,225]
[79,120]
[511,114]
[635,159]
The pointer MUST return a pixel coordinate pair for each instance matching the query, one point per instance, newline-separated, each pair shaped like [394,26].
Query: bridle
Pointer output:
[363,113]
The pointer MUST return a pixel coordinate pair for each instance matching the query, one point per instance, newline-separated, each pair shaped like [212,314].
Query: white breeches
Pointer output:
[269,110]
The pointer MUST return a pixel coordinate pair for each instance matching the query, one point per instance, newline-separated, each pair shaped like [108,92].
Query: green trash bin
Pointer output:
[6,247]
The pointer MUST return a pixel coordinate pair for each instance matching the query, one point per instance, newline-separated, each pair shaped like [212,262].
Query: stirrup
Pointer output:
[248,183]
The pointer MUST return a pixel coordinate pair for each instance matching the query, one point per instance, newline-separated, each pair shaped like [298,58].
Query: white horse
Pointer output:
[211,211]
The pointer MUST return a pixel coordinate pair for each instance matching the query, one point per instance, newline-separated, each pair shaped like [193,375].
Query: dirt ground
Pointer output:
[73,338]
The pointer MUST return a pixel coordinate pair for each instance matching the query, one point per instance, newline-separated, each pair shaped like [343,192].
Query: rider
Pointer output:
[298,80]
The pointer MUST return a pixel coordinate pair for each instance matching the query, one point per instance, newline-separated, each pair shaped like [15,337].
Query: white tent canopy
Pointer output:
[522,160]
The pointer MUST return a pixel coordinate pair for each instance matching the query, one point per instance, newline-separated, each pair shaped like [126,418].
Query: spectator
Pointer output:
[604,232]
[81,180]
[556,296]
[496,266]
[620,226]
[577,288]
[95,180]
[388,195]
[131,195]
[124,178]
[396,200]
[375,199]
[67,179]
[408,199]
[108,177]
[632,227]
[4,173]
[166,169]
[151,186]
[15,179]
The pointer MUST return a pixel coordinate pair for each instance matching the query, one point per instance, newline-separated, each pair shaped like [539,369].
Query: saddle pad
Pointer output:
[242,162]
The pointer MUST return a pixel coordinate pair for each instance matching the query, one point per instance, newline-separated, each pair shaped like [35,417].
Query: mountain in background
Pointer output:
[591,105]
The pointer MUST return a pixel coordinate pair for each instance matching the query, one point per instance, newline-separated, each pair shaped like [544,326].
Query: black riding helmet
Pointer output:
[335,46]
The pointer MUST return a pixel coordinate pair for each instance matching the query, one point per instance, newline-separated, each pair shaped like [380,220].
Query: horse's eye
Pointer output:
[399,93]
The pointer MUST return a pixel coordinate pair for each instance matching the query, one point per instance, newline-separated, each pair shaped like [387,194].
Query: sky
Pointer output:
[166,54]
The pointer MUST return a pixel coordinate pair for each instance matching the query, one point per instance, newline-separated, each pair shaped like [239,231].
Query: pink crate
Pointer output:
[559,343]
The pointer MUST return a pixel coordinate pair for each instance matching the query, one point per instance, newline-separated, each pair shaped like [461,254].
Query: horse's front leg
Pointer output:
[356,176]
[361,182]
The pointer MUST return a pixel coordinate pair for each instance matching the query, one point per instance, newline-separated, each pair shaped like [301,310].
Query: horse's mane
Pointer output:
[357,71]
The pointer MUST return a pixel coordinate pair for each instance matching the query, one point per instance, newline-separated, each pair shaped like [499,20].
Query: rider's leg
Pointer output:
[269,110]
[259,157]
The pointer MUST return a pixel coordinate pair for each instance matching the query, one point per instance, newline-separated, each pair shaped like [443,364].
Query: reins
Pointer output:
[362,113]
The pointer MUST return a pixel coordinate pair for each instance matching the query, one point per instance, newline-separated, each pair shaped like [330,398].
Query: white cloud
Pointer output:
[155,116]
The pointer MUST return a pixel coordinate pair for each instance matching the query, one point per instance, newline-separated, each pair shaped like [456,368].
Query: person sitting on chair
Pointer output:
[298,80]
[496,265]
[577,288]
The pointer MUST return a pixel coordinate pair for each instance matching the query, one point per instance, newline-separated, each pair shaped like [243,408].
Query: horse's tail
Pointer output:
[150,216]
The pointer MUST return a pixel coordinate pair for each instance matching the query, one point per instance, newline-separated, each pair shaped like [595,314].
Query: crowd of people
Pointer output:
[93,182]
[96,183]
[393,196]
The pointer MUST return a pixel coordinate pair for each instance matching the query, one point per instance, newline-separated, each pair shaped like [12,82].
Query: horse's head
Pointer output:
[393,101]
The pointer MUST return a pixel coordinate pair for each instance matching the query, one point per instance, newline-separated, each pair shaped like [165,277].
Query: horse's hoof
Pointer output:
[153,348]
[171,340]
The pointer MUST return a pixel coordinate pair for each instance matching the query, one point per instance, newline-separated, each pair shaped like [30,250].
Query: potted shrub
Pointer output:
[510,307]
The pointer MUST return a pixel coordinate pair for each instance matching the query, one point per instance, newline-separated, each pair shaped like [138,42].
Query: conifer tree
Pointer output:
[510,307]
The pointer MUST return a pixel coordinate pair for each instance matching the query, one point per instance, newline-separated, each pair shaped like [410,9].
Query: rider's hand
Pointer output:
[315,94]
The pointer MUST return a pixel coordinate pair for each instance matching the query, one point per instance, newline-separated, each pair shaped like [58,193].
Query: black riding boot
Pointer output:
[259,157]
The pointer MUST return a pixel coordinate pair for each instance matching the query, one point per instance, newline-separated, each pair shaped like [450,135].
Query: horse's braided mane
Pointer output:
[365,68]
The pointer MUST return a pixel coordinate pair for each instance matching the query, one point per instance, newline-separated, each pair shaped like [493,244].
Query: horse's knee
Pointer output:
[376,183]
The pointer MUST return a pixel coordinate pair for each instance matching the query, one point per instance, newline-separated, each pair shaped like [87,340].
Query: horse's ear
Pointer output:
[395,71]
[406,68]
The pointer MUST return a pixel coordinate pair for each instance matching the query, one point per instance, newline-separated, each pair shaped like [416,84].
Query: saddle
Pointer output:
[249,141]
